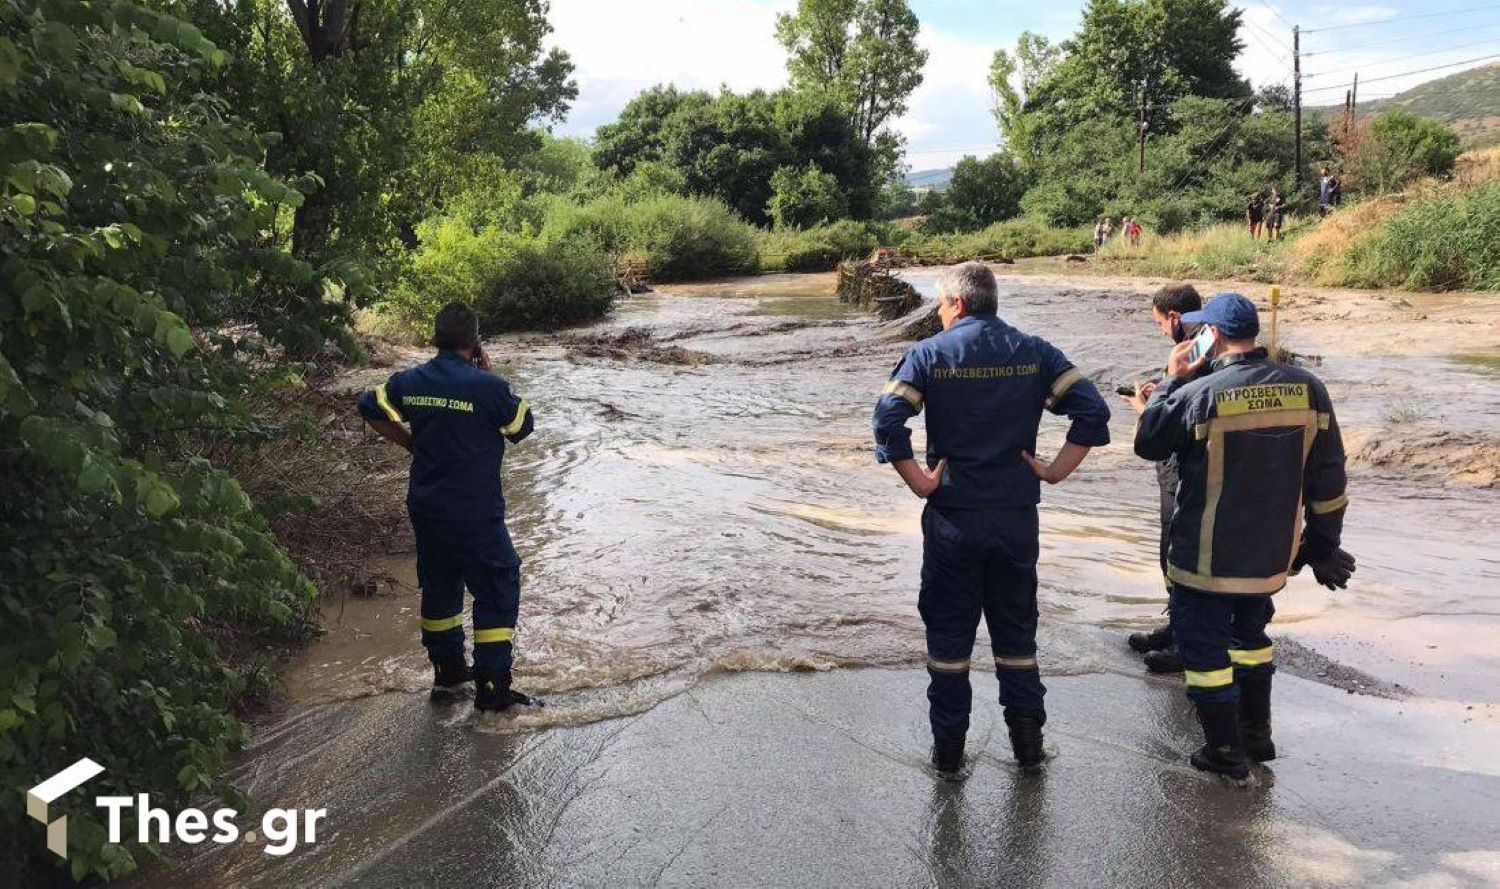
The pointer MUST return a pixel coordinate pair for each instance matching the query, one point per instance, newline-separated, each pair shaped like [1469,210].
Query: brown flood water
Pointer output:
[727,514]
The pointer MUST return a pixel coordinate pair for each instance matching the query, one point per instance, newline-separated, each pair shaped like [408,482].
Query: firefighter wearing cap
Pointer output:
[984,386]
[1261,494]
[455,416]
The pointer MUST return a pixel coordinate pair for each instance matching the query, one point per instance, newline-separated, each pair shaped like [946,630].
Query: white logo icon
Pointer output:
[42,795]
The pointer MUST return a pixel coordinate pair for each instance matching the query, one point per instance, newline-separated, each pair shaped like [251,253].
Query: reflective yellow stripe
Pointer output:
[1324,420]
[515,425]
[1014,663]
[1209,678]
[385,404]
[1210,584]
[911,393]
[496,634]
[1200,431]
[947,666]
[1251,657]
[1323,507]
[1062,384]
[439,624]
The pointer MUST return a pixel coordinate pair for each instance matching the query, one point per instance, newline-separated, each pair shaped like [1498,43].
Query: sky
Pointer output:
[621,48]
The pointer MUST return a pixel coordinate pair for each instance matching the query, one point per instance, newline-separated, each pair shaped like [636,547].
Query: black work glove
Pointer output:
[1332,571]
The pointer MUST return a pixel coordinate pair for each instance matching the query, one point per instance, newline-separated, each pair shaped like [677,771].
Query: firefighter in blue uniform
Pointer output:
[1261,494]
[460,416]
[984,386]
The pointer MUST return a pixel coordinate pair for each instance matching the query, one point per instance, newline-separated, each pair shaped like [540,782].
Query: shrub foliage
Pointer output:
[130,212]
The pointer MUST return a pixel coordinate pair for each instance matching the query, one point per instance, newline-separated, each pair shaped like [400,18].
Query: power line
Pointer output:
[1274,12]
[1409,73]
[1401,18]
[1416,55]
[1287,50]
[1408,39]
[1277,40]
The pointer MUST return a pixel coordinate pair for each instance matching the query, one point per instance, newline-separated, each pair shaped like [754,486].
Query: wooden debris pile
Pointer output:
[871,284]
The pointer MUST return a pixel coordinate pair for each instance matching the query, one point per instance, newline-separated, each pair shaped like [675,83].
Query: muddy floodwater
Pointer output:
[704,525]
[701,496]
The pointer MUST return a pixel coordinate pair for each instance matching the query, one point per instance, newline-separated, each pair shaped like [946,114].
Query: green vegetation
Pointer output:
[1394,148]
[132,233]
[1445,240]
[1437,236]
[1468,102]
[678,238]
[513,281]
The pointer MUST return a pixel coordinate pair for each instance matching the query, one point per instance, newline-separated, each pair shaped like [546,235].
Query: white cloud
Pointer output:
[949,114]
[619,49]
[1349,14]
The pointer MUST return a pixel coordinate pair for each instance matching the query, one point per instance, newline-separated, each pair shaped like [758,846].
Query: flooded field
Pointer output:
[701,496]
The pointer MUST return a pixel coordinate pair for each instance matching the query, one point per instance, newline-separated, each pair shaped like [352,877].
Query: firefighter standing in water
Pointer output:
[984,386]
[460,414]
[1261,494]
[1168,306]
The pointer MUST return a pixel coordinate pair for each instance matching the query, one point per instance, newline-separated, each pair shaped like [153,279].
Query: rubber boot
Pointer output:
[1255,714]
[1168,660]
[449,679]
[1223,754]
[1156,640]
[492,692]
[1025,728]
[948,758]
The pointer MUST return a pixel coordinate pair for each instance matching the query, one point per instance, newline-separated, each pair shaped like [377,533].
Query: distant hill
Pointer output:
[1468,101]
[930,178]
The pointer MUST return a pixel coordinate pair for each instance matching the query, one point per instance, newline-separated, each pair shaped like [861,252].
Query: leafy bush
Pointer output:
[681,239]
[821,249]
[514,280]
[1442,241]
[805,197]
[1014,239]
[130,227]
[982,192]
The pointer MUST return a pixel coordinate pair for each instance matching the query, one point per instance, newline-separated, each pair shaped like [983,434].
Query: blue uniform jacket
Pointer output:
[460,418]
[1262,472]
[984,386]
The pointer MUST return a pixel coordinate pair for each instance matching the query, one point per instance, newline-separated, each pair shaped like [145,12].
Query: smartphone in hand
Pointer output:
[1202,343]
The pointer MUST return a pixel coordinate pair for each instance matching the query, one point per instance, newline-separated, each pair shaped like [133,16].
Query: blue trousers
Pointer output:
[1220,636]
[979,562]
[479,556]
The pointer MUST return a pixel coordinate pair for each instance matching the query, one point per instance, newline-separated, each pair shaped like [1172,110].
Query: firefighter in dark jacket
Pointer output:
[460,415]
[984,386]
[1168,306]
[1261,494]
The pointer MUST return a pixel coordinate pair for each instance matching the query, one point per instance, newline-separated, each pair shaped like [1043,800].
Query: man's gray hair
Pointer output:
[974,283]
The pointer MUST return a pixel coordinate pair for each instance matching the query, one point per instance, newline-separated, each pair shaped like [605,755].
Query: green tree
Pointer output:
[863,53]
[982,192]
[396,105]
[1128,55]
[1397,147]
[806,197]
[133,234]
[1016,76]
[730,145]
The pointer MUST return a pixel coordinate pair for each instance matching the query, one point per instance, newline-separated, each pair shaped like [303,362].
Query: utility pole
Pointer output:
[1297,100]
[1354,96]
[1144,84]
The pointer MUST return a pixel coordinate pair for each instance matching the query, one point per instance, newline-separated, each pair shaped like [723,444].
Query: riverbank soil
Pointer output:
[702,521]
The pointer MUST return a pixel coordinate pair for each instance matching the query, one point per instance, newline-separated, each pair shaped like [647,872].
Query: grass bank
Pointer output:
[1432,236]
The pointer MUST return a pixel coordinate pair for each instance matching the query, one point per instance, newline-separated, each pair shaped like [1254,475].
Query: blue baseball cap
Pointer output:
[1231,313]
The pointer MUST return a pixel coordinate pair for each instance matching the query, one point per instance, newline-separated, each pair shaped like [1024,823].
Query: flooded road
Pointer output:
[701,496]
[701,514]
